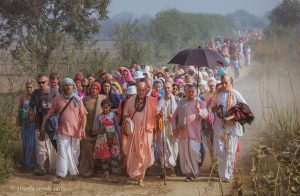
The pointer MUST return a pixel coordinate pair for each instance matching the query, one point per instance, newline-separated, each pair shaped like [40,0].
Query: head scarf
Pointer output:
[79,77]
[116,75]
[74,93]
[97,84]
[180,82]
[122,79]
[210,73]
[221,72]
[161,91]
[118,87]
[148,70]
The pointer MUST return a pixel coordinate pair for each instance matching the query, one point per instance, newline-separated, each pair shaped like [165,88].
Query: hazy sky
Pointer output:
[151,7]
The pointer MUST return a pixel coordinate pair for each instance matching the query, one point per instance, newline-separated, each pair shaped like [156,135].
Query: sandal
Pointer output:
[188,179]
[141,183]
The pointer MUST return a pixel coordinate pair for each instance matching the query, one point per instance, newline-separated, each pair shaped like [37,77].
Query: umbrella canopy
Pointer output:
[198,57]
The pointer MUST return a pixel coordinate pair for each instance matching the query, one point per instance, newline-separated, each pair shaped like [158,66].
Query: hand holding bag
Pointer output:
[129,125]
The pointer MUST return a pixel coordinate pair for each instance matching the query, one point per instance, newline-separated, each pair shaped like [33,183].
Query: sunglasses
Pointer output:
[175,89]
[42,82]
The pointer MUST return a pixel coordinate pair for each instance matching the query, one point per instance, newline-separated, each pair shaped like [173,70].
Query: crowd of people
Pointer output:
[123,121]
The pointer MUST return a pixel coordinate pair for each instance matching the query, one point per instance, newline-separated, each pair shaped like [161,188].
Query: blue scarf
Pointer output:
[73,95]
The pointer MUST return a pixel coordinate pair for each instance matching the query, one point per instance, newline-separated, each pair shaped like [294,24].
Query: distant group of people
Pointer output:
[232,50]
[125,120]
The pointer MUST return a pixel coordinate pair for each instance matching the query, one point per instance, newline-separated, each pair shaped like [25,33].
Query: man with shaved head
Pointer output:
[186,123]
[226,132]
[166,107]
[138,148]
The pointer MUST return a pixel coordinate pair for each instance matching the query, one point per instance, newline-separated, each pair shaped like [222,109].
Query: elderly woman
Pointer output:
[114,98]
[92,104]
[27,129]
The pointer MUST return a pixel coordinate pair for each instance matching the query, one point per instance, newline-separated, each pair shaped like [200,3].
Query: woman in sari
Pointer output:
[27,129]
[92,104]
[126,76]
[114,98]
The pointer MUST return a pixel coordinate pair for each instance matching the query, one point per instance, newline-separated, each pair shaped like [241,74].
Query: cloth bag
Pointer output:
[129,126]
[51,125]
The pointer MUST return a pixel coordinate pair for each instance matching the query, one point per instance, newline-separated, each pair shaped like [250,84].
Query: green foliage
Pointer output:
[281,37]
[9,150]
[276,162]
[39,27]
[283,126]
[89,60]
[5,168]
[173,30]
[159,39]
[286,14]
[244,20]
[96,60]
[131,41]
[277,172]
[279,47]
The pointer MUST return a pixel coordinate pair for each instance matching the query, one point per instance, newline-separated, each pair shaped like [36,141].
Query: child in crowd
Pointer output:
[107,147]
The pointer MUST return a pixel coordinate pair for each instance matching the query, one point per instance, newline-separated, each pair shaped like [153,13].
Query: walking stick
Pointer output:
[163,134]
[164,150]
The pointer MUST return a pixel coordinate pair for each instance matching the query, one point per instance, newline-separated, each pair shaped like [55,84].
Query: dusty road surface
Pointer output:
[29,184]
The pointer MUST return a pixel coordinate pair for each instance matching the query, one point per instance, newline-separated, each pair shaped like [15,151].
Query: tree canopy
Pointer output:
[172,30]
[35,28]
[286,14]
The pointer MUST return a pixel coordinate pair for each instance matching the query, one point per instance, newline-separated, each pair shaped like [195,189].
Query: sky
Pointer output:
[151,7]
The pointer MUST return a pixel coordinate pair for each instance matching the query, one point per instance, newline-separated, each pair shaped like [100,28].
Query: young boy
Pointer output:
[107,147]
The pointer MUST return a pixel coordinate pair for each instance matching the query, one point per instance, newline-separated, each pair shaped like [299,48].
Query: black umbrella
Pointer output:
[198,57]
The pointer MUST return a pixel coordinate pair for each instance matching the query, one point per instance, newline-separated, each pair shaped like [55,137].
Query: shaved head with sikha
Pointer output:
[226,82]
[141,90]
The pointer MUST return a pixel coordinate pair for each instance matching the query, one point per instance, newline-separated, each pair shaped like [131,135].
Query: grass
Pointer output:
[10,147]
[276,160]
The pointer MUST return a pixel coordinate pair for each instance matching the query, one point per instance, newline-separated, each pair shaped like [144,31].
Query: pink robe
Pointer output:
[138,147]
[190,135]
[192,128]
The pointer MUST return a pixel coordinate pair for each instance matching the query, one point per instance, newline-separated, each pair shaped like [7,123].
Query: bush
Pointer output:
[276,162]
[5,168]
[9,150]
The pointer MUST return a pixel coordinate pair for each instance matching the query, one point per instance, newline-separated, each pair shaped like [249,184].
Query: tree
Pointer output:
[286,14]
[173,30]
[131,41]
[35,28]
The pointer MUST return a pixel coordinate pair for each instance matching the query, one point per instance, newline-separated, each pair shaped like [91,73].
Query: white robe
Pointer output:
[68,150]
[171,143]
[44,151]
[225,152]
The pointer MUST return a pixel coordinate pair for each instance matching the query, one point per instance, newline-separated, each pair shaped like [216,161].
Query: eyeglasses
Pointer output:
[42,82]
[175,89]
